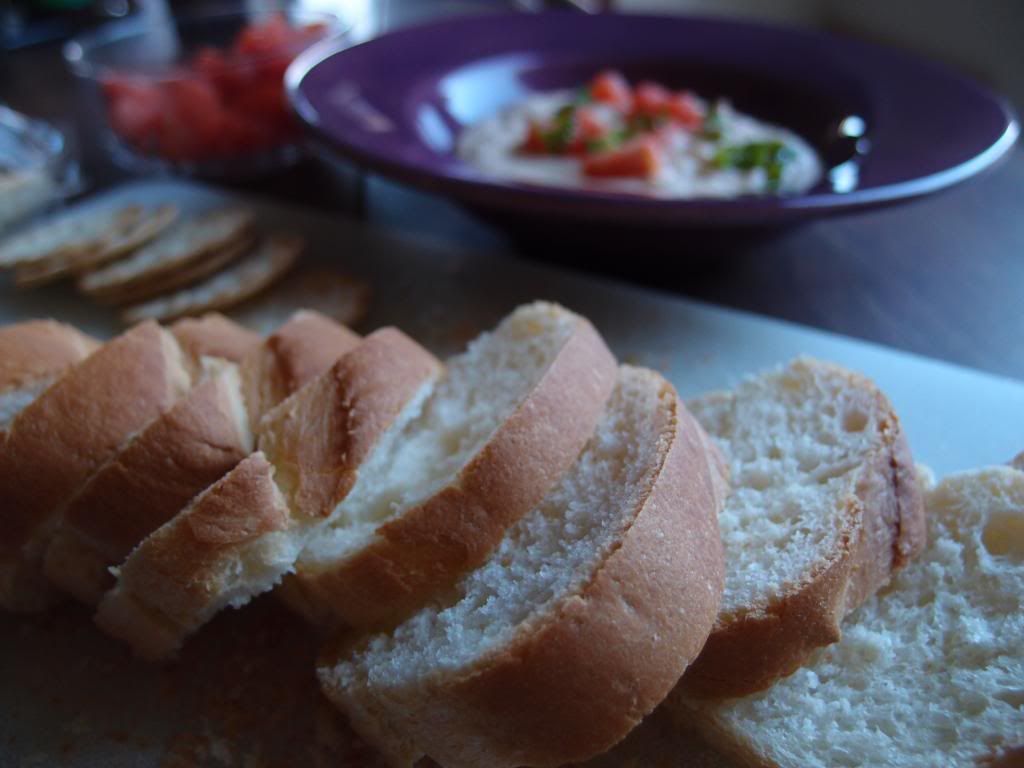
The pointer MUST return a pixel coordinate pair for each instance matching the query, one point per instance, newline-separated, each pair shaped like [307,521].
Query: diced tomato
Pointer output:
[135,110]
[638,158]
[684,109]
[193,119]
[268,36]
[534,143]
[223,102]
[651,99]
[228,74]
[587,128]
[610,87]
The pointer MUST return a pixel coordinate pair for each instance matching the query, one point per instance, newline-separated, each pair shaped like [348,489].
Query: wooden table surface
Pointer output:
[941,277]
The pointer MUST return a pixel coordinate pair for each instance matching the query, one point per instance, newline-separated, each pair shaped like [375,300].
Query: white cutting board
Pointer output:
[243,693]
[955,418]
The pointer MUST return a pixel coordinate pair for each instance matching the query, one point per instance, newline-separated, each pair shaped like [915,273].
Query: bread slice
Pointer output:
[825,508]
[507,421]
[342,298]
[296,353]
[65,434]
[248,277]
[189,241]
[203,437]
[117,242]
[238,538]
[930,672]
[230,542]
[579,623]
[186,275]
[214,335]
[74,233]
[177,456]
[32,355]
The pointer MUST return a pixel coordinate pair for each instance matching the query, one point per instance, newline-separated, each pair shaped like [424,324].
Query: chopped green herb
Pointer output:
[610,141]
[646,123]
[714,126]
[772,156]
[563,126]
[582,96]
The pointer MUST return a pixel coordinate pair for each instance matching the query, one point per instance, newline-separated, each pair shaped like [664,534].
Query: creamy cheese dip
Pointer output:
[688,166]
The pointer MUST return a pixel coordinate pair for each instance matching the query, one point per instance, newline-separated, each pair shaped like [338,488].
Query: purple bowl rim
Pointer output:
[524,196]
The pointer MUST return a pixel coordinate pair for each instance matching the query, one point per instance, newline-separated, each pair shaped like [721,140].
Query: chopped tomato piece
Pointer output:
[610,87]
[534,143]
[587,128]
[135,108]
[684,108]
[268,36]
[651,99]
[638,158]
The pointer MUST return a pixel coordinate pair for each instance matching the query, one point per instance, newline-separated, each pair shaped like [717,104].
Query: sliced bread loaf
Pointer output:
[928,673]
[578,624]
[214,335]
[296,353]
[201,438]
[509,418]
[56,442]
[825,507]
[143,486]
[238,538]
[32,355]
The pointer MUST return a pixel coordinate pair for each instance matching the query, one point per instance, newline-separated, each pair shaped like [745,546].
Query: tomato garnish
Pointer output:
[650,99]
[684,108]
[610,87]
[640,157]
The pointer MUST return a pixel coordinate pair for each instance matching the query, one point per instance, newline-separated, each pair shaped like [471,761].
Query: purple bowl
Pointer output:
[890,126]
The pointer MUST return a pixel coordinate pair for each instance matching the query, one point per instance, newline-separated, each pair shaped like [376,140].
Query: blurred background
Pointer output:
[980,37]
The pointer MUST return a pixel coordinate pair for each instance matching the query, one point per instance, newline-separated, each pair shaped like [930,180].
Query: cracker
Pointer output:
[182,245]
[187,275]
[271,259]
[76,232]
[117,242]
[341,297]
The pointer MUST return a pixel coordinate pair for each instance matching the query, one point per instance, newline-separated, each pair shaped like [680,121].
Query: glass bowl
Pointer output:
[200,94]
[37,168]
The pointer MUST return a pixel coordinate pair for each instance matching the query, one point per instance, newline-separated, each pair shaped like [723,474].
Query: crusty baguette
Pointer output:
[214,335]
[508,420]
[178,455]
[65,434]
[178,578]
[296,353]
[33,354]
[825,508]
[202,438]
[578,625]
[928,673]
[183,565]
